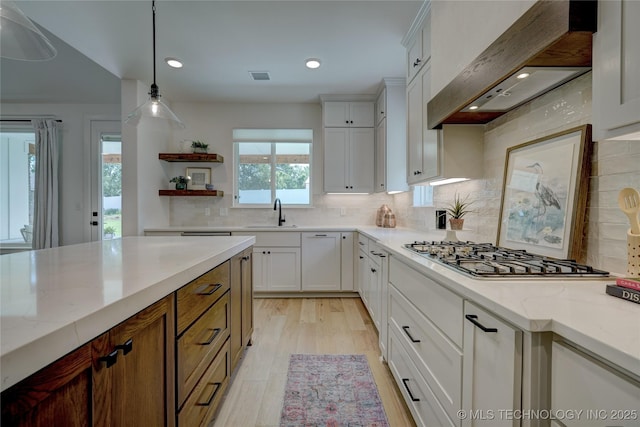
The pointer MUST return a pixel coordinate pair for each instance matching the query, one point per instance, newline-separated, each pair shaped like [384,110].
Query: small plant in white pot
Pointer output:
[457,210]
[199,147]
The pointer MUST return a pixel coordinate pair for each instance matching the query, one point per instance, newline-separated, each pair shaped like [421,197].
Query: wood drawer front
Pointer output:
[200,343]
[195,297]
[436,357]
[438,304]
[275,238]
[201,405]
[426,411]
[579,382]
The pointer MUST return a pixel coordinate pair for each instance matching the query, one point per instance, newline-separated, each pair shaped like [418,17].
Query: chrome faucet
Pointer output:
[278,204]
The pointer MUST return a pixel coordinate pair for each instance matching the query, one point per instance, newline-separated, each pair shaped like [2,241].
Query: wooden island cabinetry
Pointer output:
[167,365]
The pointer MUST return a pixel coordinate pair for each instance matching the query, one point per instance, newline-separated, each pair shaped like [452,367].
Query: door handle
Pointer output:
[95,223]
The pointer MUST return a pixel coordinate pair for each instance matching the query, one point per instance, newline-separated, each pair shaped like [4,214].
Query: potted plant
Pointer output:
[458,209]
[181,182]
[109,232]
[199,147]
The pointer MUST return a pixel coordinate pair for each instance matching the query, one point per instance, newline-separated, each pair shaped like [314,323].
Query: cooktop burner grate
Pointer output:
[485,260]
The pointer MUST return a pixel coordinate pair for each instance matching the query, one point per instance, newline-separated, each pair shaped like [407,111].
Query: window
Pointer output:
[422,195]
[17,183]
[270,164]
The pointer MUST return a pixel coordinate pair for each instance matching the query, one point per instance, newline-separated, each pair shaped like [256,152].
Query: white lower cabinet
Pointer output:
[276,269]
[422,403]
[492,369]
[347,268]
[321,261]
[579,382]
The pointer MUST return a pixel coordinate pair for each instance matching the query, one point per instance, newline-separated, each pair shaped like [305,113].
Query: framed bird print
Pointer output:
[544,194]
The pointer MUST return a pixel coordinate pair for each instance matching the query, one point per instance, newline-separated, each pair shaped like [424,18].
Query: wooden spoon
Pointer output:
[629,202]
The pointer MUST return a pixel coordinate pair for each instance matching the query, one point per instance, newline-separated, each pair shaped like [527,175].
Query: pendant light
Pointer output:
[19,37]
[154,107]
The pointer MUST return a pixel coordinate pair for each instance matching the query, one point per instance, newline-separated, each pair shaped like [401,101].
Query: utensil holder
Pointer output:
[633,254]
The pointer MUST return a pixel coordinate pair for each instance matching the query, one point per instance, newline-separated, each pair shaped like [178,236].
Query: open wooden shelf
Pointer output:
[191,157]
[208,193]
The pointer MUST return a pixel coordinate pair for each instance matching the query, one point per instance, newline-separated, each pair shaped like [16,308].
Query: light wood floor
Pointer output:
[297,325]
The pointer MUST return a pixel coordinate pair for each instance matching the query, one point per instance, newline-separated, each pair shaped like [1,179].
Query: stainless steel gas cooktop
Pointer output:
[485,260]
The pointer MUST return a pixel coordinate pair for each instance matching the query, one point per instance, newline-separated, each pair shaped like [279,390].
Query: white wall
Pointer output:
[75,145]
[462,29]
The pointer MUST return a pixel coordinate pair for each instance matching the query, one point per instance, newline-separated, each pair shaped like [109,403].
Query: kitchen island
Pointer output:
[56,300]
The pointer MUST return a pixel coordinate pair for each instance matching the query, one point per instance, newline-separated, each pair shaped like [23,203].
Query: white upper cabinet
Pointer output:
[418,46]
[616,70]
[348,114]
[381,108]
[349,160]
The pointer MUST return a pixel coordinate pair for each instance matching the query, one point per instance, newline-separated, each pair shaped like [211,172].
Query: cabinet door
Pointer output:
[414,131]
[321,261]
[414,56]
[492,366]
[373,292]
[260,267]
[380,179]
[347,251]
[361,160]
[430,138]
[58,395]
[336,160]
[381,109]
[616,61]
[361,114]
[335,114]
[363,274]
[383,296]
[247,297]
[284,269]
[142,379]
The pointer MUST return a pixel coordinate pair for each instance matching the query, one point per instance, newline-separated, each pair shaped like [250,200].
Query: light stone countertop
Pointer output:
[55,300]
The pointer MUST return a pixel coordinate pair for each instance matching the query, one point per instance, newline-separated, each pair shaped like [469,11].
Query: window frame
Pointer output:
[273,142]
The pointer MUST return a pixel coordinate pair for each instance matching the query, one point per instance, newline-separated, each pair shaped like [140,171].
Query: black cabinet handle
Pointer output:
[406,331]
[344,237]
[361,257]
[216,332]
[110,359]
[245,258]
[321,235]
[406,386]
[126,347]
[214,287]
[472,318]
[373,270]
[213,395]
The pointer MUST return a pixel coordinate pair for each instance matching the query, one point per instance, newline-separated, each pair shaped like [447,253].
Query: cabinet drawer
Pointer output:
[436,357]
[424,405]
[200,343]
[363,243]
[579,382]
[201,405]
[276,238]
[195,297]
[438,304]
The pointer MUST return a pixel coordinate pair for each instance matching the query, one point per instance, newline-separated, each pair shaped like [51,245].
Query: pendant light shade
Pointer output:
[19,37]
[154,108]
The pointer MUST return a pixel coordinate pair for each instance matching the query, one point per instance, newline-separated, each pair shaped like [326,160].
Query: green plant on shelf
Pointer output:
[199,147]
[181,182]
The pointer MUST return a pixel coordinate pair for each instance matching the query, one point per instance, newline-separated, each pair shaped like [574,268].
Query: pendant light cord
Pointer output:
[153,6]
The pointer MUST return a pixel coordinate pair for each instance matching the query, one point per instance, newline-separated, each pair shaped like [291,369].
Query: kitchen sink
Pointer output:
[270,226]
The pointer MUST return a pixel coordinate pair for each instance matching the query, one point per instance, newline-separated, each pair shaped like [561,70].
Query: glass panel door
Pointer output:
[106,180]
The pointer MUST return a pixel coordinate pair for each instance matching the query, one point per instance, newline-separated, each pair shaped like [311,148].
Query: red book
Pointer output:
[629,282]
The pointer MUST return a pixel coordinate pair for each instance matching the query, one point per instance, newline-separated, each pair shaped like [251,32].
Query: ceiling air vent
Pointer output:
[260,75]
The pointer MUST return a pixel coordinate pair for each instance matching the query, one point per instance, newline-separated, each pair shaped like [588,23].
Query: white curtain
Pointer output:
[45,211]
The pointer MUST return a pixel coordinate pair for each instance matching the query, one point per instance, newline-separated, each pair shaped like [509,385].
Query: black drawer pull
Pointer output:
[472,318]
[110,359]
[215,287]
[216,331]
[126,347]
[413,399]
[321,235]
[245,258]
[373,270]
[406,331]
[213,395]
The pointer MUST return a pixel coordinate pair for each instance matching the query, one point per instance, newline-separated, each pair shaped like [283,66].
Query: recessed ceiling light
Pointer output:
[173,62]
[312,63]
[473,107]
[523,75]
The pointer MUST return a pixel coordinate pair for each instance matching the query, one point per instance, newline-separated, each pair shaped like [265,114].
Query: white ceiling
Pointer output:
[358,42]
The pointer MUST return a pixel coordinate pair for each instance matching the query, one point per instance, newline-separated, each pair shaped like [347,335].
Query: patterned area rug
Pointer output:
[331,390]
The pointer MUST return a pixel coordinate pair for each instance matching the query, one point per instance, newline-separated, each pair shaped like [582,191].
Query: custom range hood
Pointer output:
[548,46]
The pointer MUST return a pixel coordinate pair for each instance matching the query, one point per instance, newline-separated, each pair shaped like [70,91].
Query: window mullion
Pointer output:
[273,171]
